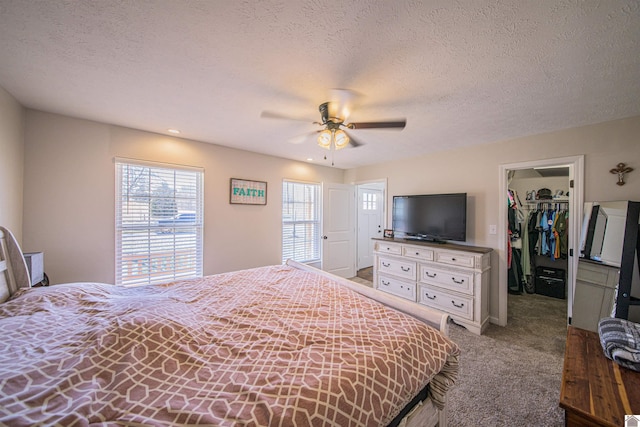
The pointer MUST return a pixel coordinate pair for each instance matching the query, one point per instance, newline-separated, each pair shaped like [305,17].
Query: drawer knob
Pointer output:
[459,282]
[385,283]
[384,264]
[430,275]
[453,259]
[417,253]
[456,305]
[429,296]
[405,268]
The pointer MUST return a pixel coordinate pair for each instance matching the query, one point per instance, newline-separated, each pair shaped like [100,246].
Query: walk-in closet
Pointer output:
[538,215]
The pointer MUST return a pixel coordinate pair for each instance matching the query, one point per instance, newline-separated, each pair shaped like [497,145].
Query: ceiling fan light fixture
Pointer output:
[340,139]
[324,139]
[333,119]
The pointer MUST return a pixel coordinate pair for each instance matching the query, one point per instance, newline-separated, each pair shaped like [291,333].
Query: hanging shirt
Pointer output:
[551,216]
[534,233]
[526,256]
[544,240]
[561,226]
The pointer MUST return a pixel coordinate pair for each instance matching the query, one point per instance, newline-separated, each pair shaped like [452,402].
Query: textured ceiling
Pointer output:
[461,72]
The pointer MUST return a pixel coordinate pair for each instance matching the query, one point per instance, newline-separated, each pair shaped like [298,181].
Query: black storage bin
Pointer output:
[551,282]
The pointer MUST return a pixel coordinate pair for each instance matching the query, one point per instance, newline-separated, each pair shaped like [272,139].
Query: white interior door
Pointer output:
[338,229]
[370,218]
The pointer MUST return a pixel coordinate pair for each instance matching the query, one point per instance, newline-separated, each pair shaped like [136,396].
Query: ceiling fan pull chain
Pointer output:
[333,150]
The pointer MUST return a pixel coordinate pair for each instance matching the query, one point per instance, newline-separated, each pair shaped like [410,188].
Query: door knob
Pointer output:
[324,237]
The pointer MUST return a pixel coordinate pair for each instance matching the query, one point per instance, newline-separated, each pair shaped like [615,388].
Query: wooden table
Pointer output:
[595,391]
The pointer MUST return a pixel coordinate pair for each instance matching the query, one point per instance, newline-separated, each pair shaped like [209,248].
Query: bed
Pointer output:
[277,345]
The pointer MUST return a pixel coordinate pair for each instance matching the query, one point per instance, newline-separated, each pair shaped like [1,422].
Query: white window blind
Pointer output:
[300,221]
[159,226]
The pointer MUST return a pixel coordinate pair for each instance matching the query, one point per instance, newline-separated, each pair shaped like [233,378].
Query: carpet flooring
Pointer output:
[366,274]
[510,375]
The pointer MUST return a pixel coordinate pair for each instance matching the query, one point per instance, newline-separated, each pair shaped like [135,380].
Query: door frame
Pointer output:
[576,203]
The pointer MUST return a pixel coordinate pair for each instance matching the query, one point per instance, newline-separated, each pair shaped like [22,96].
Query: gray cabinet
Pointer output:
[594,294]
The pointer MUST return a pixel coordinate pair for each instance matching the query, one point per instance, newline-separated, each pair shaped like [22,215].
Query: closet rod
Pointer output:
[544,204]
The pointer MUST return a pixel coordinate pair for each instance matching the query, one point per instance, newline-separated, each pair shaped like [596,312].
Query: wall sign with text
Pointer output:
[246,192]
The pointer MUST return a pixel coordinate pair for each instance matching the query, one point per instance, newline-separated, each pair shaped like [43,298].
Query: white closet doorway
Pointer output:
[569,176]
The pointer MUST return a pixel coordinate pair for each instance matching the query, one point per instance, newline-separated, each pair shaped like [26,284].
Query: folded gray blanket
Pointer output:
[620,341]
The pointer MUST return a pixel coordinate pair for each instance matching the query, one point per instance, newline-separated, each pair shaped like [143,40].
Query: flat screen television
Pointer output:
[432,217]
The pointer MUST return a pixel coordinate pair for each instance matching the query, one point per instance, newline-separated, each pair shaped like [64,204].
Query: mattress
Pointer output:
[267,346]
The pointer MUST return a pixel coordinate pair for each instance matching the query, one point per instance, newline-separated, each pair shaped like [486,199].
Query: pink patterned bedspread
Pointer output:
[268,346]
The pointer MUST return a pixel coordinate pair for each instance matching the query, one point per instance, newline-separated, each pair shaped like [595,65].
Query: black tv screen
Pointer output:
[436,217]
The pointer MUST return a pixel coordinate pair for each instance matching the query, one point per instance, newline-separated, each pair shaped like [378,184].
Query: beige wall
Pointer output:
[11,163]
[69,188]
[69,195]
[475,170]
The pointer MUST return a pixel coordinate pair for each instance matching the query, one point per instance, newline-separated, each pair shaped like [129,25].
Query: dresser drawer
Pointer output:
[452,258]
[451,279]
[388,248]
[457,305]
[397,287]
[417,252]
[397,267]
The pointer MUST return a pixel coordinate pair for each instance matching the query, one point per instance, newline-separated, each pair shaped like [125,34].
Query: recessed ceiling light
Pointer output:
[173,131]
[309,159]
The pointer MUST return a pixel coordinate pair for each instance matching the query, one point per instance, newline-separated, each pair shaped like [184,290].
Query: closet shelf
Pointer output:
[555,200]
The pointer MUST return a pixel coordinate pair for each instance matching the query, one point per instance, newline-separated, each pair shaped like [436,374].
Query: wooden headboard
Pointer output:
[13,269]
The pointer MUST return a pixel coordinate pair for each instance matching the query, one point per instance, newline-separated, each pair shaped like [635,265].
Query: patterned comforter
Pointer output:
[268,346]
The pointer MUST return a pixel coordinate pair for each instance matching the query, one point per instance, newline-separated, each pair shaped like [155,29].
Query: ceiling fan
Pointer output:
[333,122]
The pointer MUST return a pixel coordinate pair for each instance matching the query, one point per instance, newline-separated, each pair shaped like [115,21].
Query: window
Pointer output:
[300,221]
[159,212]
[369,201]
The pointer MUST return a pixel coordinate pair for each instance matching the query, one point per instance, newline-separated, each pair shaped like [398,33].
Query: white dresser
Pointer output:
[448,277]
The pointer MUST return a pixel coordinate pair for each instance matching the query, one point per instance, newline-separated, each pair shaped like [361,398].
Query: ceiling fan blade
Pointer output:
[302,138]
[399,124]
[354,142]
[274,115]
